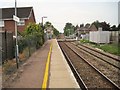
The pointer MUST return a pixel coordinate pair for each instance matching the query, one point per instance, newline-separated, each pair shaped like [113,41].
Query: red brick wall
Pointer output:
[10,25]
[31,19]
[27,21]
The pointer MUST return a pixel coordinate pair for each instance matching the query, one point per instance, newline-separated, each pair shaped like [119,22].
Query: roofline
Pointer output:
[30,13]
[12,19]
[14,7]
[20,18]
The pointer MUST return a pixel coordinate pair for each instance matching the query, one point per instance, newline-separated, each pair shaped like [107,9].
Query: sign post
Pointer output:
[16,19]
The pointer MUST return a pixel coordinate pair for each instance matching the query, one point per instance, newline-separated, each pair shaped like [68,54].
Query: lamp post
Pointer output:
[43,19]
[43,27]
[16,48]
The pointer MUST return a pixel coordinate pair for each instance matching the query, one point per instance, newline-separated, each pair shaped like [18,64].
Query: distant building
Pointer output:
[83,32]
[61,36]
[26,15]
[86,29]
[93,28]
[49,32]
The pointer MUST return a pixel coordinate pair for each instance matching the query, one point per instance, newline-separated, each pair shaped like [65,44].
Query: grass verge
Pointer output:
[110,48]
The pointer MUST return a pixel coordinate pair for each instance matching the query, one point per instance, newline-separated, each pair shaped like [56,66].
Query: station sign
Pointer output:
[15,18]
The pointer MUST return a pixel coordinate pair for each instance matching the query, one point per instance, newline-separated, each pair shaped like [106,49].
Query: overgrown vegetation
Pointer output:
[31,37]
[69,29]
[49,25]
[110,48]
[84,41]
[28,41]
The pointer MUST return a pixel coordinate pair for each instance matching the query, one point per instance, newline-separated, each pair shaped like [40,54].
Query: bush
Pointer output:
[111,48]
[22,44]
[84,41]
[32,37]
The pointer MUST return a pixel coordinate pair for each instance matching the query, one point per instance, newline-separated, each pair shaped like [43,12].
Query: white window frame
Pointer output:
[2,23]
[21,23]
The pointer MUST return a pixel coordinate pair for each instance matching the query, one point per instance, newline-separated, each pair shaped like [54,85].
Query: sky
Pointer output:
[60,12]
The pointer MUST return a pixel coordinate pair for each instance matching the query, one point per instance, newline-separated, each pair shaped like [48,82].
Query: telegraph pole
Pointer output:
[16,47]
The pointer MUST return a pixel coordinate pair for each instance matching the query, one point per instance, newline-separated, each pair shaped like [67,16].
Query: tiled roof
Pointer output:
[22,12]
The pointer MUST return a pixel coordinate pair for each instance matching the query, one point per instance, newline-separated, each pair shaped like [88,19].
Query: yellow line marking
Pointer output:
[45,80]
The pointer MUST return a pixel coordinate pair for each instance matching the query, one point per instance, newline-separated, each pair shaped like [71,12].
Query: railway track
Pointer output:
[105,57]
[108,66]
[87,75]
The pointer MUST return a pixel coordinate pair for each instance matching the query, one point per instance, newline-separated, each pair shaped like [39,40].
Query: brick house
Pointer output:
[26,15]
[93,28]
[86,29]
[83,32]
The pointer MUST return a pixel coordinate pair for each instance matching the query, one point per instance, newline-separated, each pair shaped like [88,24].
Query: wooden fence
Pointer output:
[6,46]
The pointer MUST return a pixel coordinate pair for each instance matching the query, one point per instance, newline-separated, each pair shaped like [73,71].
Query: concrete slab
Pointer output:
[61,75]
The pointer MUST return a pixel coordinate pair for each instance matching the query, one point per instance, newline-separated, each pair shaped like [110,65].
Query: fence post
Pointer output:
[5,46]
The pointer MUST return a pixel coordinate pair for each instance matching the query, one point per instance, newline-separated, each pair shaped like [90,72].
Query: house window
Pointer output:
[1,23]
[21,23]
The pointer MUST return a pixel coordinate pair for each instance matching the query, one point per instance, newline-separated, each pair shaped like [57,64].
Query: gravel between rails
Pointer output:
[91,78]
[110,71]
[102,55]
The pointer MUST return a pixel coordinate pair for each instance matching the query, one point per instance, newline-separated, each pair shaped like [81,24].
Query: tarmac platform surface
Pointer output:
[61,75]
[46,68]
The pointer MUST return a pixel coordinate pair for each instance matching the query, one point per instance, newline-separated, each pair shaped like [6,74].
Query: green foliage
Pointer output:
[84,41]
[33,28]
[32,36]
[114,28]
[22,44]
[111,48]
[105,26]
[81,25]
[68,29]
[56,32]
[35,32]
[118,27]
[49,24]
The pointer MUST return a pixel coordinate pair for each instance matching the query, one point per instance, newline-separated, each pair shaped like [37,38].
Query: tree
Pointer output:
[118,27]
[69,29]
[49,24]
[76,27]
[55,32]
[105,26]
[114,28]
[33,28]
[81,25]
[87,25]
[96,23]
[34,32]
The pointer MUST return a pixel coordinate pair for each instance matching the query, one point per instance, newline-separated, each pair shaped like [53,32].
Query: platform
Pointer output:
[61,75]
[32,71]
[46,68]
